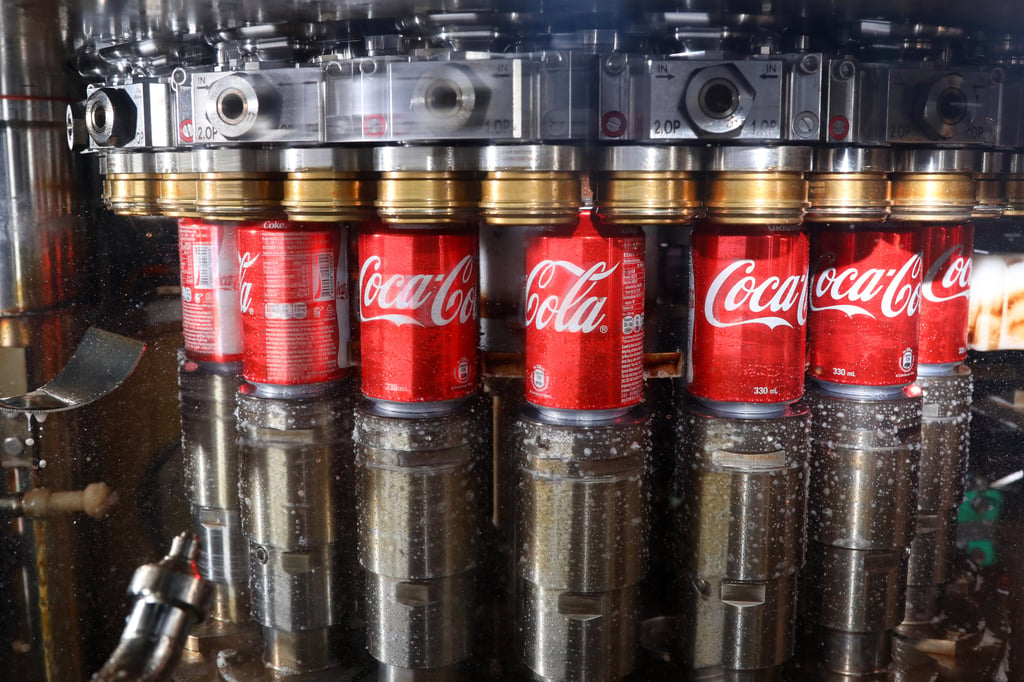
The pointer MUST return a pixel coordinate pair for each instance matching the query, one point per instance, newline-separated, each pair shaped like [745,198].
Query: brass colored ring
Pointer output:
[133,194]
[757,198]
[647,197]
[850,197]
[238,196]
[405,197]
[933,196]
[530,197]
[327,196]
[177,195]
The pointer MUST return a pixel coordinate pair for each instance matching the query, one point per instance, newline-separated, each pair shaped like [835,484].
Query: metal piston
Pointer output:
[862,451]
[581,525]
[743,490]
[207,397]
[295,479]
[419,490]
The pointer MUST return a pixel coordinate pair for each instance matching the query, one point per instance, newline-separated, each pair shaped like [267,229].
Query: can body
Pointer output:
[947,251]
[418,313]
[293,285]
[748,317]
[584,313]
[865,303]
[210,317]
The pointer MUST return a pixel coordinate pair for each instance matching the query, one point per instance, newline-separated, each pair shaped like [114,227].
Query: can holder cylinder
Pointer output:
[945,446]
[743,490]
[581,539]
[295,510]
[420,490]
[863,451]
[207,403]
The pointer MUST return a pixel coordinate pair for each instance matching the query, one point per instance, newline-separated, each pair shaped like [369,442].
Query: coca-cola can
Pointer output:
[418,314]
[584,308]
[293,282]
[748,316]
[210,318]
[865,304]
[947,251]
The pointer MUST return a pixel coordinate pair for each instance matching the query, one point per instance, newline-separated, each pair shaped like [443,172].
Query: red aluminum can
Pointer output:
[947,251]
[748,313]
[210,318]
[585,317]
[865,304]
[418,313]
[293,281]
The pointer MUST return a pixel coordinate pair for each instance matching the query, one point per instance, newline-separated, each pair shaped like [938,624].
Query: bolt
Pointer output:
[805,124]
[615,62]
[810,63]
[69,127]
[844,70]
[996,77]
[555,122]
[261,555]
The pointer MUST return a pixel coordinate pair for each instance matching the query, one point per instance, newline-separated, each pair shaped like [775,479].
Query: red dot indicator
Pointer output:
[613,124]
[374,125]
[838,127]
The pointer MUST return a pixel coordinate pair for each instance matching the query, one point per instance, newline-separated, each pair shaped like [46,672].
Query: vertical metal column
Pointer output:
[41,265]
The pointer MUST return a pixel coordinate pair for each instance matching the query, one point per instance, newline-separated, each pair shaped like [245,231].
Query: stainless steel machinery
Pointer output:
[513,339]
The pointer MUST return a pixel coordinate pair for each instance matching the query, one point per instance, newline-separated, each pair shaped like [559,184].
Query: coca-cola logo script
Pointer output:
[566,303]
[736,289]
[403,298]
[850,290]
[245,286]
[949,277]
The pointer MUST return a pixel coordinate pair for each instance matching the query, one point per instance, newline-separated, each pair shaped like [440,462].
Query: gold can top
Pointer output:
[990,185]
[238,196]
[530,198]
[758,198]
[1015,186]
[850,197]
[647,197]
[933,196]
[177,195]
[133,194]
[328,196]
[426,197]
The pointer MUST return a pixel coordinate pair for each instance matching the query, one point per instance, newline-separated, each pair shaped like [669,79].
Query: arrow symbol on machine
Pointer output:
[766,76]
[665,75]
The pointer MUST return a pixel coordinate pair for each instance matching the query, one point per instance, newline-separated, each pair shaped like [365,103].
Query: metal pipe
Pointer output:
[170,599]
[39,240]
